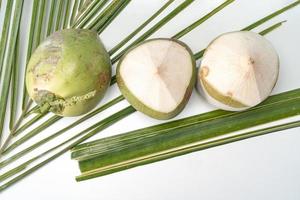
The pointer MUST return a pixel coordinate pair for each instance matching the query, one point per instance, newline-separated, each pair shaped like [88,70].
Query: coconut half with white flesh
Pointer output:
[238,70]
[157,77]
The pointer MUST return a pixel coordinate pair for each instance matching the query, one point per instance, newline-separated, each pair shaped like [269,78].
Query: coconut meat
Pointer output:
[240,65]
[158,73]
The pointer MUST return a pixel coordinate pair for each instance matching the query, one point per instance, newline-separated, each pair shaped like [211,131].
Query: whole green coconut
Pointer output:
[69,72]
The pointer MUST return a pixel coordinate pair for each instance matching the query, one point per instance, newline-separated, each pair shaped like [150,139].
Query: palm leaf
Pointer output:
[88,13]
[50,121]
[30,49]
[100,126]
[101,26]
[14,85]
[154,28]
[138,29]
[5,29]
[58,133]
[7,65]
[105,14]
[35,37]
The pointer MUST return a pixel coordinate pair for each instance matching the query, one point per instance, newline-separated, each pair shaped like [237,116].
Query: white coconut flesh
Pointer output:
[238,70]
[158,73]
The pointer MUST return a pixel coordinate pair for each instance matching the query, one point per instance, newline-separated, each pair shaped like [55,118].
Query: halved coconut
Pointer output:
[238,70]
[157,77]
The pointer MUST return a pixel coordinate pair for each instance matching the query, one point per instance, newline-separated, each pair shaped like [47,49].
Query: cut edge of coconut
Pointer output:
[213,97]
[140,106]
[209,98]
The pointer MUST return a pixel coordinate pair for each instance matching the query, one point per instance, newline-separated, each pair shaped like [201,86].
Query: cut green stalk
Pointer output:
[7,65]
[29,123]
[14,85]
[142,146]
[58,18]
[89,13]
[39,26]
[29,47]
[272,28]
[6,149]
[101,125]
[12,172]
[175,124]
[74,11]
[33,110]
[182,150]
[67,14]
[203,19]
[51,17]
[80,5]
[105,14]
[272,15]
[100,28]
[4,36]
[58,133]
[154,28]
[83,5]
[54,119]
[143,25]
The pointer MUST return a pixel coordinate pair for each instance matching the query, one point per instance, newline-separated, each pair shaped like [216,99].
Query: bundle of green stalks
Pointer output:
[25,118]
[179,137]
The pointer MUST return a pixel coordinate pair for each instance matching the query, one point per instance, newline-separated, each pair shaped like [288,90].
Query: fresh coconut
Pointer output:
[69,72]
[157,77]
[238,70]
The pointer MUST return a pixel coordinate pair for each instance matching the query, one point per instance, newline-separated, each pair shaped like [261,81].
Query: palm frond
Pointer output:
[7,65]
[4,35]
[48,123]
[108,11]
[33,23]
[14,84]
[202,19]
[100,126]
[154,28]
[51,17]
[101,26]
[138,29]
[67,14]
[85,16]
[74,11]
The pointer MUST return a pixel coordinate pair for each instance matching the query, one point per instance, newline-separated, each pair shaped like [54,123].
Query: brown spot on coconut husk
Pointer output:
[204,71]
[103,79]
[229,94]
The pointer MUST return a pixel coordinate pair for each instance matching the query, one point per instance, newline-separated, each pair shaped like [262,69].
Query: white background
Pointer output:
[266,167]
